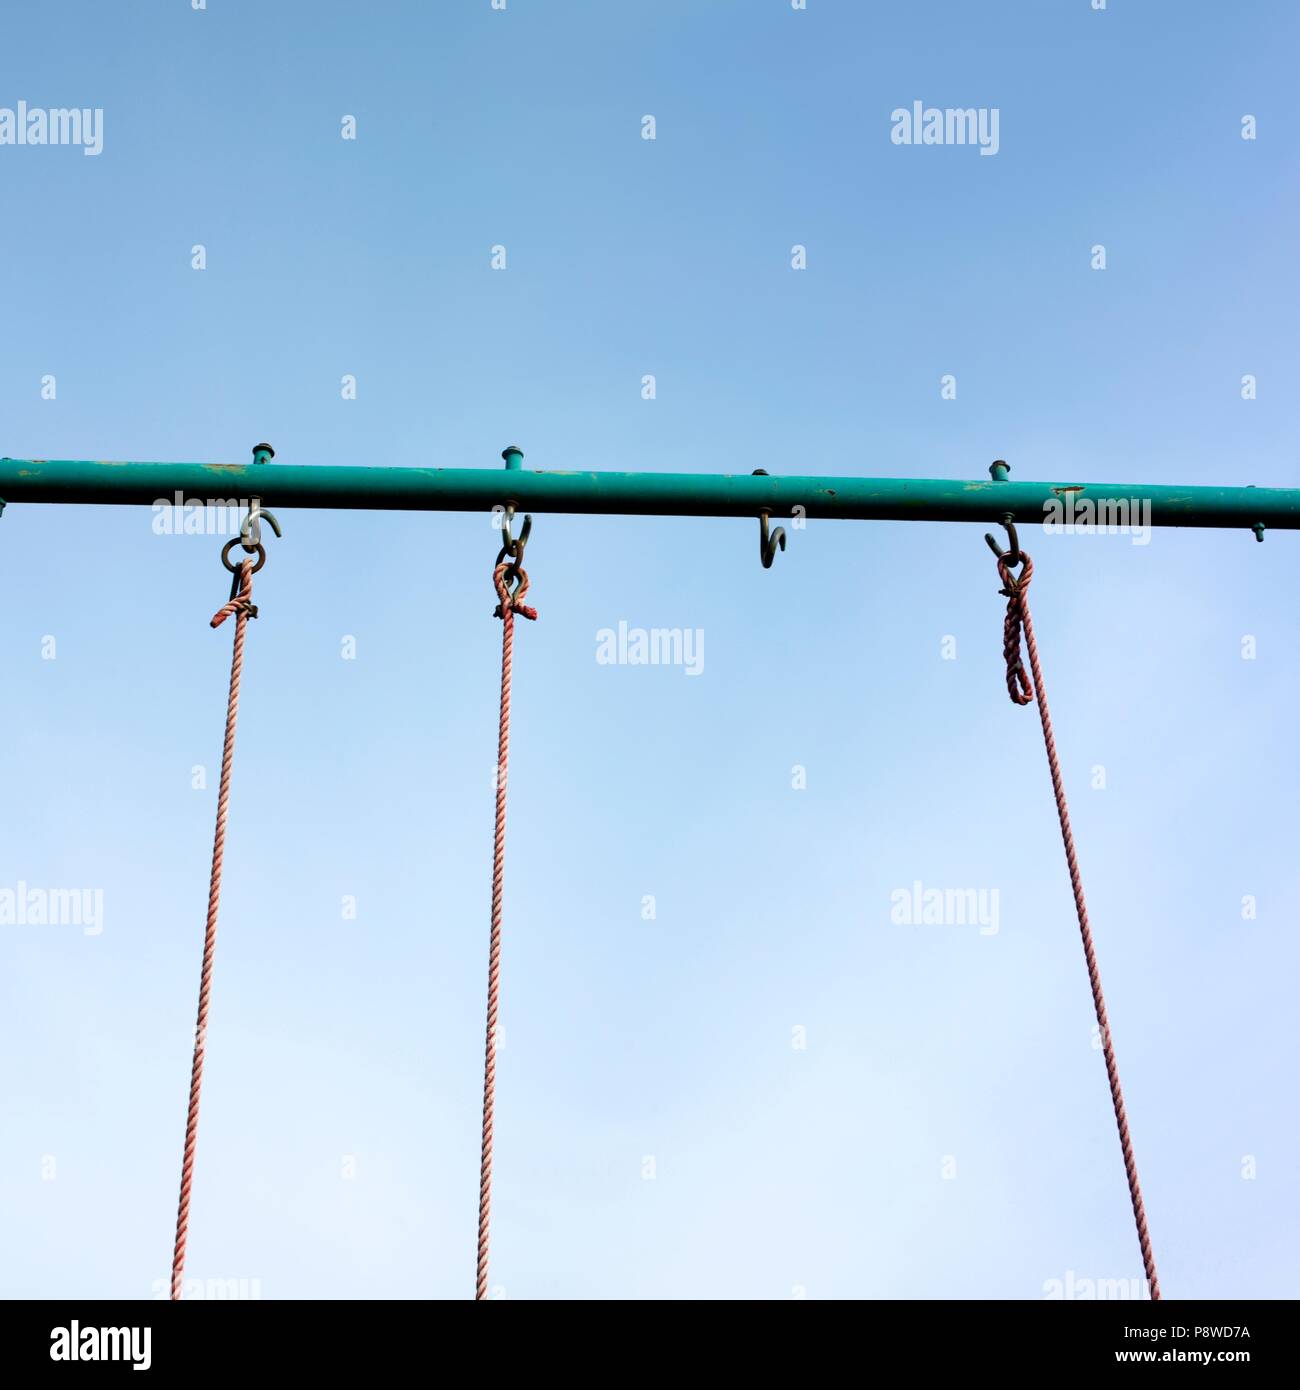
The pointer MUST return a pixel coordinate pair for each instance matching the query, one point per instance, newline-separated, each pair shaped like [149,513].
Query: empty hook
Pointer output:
[768,545]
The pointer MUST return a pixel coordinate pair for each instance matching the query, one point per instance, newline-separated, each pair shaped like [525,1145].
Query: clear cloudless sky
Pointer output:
[945,1128]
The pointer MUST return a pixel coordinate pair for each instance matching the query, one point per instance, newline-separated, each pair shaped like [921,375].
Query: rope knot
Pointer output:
[240,601]
[1019,686]
[240,605]
[507,600]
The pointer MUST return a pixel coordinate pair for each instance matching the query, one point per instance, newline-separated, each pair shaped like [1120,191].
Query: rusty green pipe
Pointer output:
[645,494]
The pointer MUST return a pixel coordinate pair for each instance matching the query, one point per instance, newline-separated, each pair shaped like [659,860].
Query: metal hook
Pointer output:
[250,531]
[510,546]
[513,549]
[1012,556]
[768,545]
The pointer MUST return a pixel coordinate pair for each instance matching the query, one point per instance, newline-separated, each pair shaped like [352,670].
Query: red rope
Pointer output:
[1022,693]
[241,606]
[506,609]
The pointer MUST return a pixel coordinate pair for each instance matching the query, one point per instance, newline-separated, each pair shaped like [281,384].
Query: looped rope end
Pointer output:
[241,592]
[508,600]
[1019,687]
[1016,677]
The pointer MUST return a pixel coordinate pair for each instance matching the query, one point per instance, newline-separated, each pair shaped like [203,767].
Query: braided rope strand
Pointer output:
[242,607]
[506,610]
[1021,693]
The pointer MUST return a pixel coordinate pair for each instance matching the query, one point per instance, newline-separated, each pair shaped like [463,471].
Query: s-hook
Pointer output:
[250,537]
[1012,556]
[250,531]
[768,544]
[513,549]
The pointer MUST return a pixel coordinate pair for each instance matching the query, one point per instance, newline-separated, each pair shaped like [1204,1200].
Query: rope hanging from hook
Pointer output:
[508,571]
[240,605]
[1022,692]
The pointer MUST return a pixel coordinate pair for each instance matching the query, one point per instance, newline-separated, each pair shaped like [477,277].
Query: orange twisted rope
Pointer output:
[506,609]
[1022,692]
[242,607]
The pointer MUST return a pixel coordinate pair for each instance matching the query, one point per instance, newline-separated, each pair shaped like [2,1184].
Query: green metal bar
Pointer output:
[645,494]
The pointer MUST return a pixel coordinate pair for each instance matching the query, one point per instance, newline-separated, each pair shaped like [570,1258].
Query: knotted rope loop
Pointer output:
[1013,589]
[502,577]
[241,590]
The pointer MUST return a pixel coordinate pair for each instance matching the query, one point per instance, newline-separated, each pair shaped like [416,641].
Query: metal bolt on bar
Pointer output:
[638,494]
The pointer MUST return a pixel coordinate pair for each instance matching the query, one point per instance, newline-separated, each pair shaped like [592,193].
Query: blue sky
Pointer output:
[946,1129]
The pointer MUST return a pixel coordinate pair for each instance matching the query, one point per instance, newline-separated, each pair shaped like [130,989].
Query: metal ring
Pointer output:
[513,570]
[234,569]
